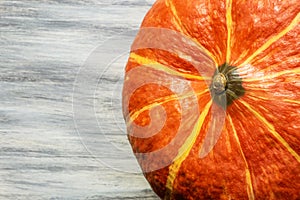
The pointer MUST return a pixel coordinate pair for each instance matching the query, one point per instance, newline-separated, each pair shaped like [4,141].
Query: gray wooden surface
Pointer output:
[61,128]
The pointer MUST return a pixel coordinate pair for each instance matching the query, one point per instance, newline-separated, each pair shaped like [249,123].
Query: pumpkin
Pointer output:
[211,99]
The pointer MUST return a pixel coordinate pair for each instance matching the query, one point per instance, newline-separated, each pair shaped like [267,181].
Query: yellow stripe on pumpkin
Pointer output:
[273,39]
[292,101]
[248,174]
[272,130]
[229,28]
[185,149]
[161,101]
[177,21]
[256,97]
[158,66]
[183,30]
[274,75]
[283,61]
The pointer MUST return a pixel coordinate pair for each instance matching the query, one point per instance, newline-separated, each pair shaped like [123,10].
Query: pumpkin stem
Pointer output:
[226,85]
[219,83]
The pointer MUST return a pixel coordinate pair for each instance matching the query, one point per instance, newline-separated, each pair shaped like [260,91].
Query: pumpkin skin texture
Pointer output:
[197,135]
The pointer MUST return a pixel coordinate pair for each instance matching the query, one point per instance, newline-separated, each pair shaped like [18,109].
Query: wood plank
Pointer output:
[42,156]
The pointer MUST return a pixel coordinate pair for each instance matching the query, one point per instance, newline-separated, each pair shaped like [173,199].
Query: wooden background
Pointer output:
[61,127]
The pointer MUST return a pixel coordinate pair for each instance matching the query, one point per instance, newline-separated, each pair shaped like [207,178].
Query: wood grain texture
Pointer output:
[43,152]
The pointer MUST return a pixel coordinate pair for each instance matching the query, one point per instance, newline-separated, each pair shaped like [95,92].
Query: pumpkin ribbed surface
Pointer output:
[211,99]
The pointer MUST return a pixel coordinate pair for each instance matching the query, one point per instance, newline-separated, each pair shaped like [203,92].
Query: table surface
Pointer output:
[61,126]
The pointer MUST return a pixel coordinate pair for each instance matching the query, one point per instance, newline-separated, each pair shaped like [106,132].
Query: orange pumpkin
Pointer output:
[211,99]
